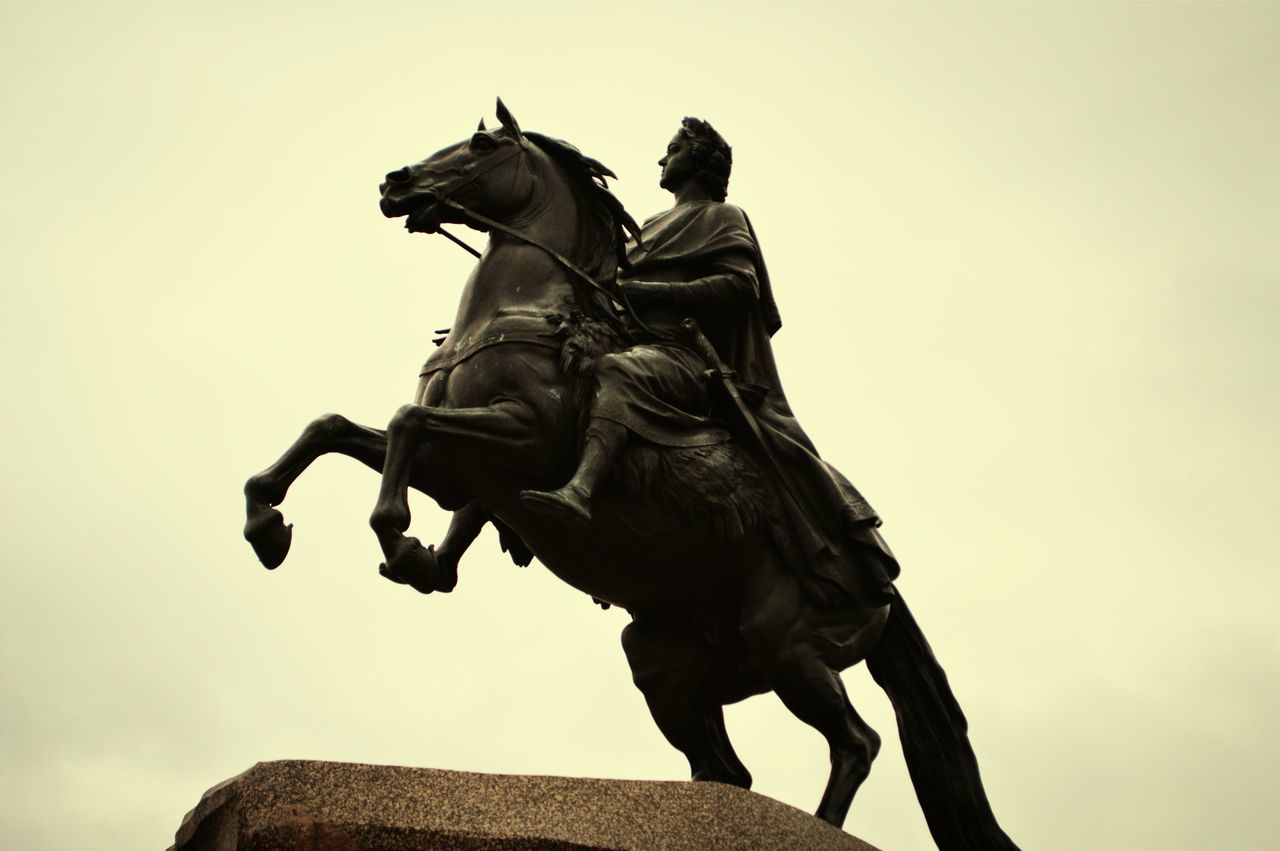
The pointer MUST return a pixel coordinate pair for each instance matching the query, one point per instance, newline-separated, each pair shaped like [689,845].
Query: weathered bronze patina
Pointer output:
[607,398]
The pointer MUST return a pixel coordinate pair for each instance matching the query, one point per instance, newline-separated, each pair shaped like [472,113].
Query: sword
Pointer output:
[720,372]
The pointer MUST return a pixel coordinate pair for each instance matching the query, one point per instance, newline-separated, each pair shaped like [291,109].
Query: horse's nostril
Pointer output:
[402,175]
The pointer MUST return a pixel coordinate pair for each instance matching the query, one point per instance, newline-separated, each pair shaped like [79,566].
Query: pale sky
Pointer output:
[1028,261]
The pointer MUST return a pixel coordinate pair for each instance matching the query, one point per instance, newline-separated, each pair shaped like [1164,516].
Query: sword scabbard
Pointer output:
[753,430]
[703,347]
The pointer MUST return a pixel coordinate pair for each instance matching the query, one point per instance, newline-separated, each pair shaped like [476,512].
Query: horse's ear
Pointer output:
[480,129]
[508,120]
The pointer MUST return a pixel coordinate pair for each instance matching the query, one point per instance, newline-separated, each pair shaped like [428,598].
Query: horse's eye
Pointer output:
[483,143]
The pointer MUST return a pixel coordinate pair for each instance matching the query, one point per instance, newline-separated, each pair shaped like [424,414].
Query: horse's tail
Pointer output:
[935,739]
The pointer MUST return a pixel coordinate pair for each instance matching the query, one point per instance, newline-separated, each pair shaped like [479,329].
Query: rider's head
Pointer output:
[712,156]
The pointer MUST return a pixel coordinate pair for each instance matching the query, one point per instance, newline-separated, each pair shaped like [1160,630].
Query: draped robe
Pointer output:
[707,265]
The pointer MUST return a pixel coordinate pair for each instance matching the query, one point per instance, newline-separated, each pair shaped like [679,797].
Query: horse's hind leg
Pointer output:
[778,626]
[265,528]
[672,663]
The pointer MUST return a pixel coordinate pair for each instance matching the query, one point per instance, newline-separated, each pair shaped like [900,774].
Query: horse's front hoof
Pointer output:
[414,565]
[270,537]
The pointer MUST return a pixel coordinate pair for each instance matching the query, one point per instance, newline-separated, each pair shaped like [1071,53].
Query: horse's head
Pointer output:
[491,173]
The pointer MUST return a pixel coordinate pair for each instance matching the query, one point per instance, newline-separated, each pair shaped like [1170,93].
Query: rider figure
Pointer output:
[700,260]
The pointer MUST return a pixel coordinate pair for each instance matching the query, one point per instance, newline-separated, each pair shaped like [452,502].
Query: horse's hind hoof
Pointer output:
[270,537]
[414,565]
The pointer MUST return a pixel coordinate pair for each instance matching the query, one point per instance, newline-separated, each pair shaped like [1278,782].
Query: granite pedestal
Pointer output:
[329,806]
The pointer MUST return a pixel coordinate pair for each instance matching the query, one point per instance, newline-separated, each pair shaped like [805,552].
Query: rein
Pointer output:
[617,297]
[444,197]
[537,243]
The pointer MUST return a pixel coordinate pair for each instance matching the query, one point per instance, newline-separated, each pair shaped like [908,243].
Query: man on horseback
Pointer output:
[701,260]
[782,600]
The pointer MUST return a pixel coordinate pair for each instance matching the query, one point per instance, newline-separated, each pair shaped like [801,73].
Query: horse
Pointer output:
[717,612]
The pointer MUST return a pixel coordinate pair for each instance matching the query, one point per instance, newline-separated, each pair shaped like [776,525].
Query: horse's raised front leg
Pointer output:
[503,432]
[438,569]
[265,528]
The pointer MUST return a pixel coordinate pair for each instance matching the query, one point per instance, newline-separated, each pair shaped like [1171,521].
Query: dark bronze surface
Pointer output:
[569,406]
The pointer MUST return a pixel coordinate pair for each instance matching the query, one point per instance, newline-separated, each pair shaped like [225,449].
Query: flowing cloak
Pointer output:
[707,254]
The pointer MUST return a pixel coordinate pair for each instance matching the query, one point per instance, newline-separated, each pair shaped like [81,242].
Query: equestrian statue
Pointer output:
[607,398]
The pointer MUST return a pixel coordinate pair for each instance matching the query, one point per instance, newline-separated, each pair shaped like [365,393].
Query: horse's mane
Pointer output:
[603,226]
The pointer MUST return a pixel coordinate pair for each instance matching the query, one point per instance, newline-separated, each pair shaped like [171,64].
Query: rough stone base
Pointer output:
[334,806]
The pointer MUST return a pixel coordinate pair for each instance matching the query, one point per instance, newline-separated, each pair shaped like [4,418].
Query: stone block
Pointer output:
[299,805]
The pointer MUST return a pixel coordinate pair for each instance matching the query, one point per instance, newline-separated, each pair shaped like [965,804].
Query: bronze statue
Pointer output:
[612,407]
[700,261]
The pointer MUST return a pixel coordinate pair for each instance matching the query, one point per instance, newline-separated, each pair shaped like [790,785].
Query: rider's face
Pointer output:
[678,166]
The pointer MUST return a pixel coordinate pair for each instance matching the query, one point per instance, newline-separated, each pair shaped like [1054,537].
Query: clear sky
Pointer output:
[1028,261]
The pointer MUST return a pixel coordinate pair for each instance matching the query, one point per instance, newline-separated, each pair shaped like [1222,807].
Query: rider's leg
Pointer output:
[778,625]
[600,448]
[661,386]
[671,662]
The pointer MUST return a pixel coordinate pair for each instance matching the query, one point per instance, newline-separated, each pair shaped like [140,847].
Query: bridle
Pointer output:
[445,198]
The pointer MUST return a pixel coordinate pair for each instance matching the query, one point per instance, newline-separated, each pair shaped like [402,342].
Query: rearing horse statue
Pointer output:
[717,612]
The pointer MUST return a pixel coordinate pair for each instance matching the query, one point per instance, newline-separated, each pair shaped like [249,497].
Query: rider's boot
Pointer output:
[603,442]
